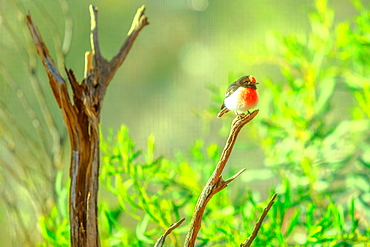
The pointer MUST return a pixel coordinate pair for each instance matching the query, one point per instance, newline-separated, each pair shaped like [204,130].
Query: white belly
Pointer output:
[236,102]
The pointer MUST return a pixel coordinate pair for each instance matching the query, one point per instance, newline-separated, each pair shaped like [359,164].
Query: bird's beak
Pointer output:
[256,83]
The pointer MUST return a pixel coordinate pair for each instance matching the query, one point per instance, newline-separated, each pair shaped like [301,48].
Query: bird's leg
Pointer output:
[242,114]
[239,117]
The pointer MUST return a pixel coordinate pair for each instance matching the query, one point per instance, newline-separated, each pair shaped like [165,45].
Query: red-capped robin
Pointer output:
[240,96]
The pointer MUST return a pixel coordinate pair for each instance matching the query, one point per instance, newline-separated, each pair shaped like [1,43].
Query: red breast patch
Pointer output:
[250,98]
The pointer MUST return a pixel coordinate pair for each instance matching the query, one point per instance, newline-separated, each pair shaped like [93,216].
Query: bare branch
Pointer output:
[139,22]
[249,240]
[95,46]
[215,182]
[235,176]
[161,240]
[54,76]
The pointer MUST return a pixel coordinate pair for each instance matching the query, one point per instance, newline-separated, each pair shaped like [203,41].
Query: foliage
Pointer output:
[322,153]
[148,194]
[301,136]
[320,157]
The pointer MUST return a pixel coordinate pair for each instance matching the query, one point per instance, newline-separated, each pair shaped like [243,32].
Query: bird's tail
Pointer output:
[222,112]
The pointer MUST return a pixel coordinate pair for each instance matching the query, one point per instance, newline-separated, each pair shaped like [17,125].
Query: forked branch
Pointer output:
[216,182]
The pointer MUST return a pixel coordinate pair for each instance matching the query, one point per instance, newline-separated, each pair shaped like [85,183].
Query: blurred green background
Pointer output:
[171,85]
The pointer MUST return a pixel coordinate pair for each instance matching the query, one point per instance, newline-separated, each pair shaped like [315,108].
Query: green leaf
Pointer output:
[293,222]
[141,228]
[326,89]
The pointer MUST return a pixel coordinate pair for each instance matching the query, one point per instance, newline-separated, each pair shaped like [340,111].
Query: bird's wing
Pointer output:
[231,89]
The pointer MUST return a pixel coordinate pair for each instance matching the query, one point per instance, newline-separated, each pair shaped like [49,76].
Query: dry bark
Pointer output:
[81,114]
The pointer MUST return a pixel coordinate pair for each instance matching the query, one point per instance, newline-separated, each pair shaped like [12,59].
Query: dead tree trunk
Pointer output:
[82,117]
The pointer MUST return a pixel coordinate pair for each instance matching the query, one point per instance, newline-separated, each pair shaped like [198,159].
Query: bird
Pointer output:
[240,96]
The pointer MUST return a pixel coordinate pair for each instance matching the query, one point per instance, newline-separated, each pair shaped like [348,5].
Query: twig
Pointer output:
[215,182]
[161,240]
[249,240]
[139,22]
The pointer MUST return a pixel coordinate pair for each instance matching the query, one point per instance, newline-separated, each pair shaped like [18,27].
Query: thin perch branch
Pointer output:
[161,240]
[215,182]
[248,242]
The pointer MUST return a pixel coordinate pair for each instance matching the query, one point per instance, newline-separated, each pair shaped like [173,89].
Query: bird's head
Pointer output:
[248,81]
